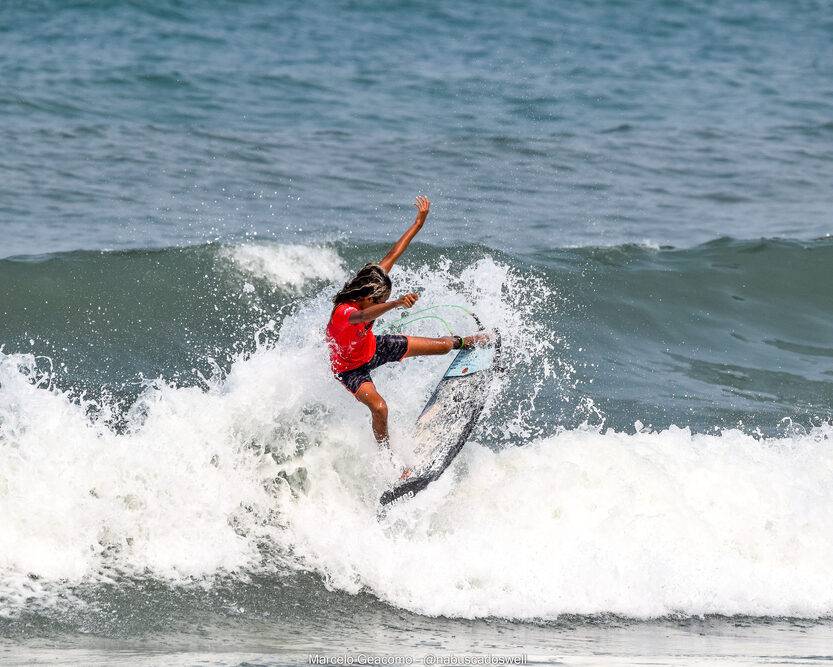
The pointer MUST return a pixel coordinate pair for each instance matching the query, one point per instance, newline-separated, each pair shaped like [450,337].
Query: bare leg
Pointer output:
[418,346]
[368,395]
[422,346]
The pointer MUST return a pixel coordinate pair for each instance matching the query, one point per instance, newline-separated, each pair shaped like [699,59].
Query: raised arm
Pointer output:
[422,205]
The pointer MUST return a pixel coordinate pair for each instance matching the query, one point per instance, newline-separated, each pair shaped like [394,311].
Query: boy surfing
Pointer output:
[355,350]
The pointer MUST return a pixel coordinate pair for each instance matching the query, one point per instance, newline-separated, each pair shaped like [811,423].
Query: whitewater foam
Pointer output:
[585,522]
[286,266]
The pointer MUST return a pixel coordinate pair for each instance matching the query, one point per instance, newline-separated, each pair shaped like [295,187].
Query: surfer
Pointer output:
[355,350]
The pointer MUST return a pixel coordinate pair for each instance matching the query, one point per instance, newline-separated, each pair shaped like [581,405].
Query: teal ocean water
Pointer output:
[637,194]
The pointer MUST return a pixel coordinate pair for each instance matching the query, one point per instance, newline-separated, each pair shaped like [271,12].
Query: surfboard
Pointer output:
[449,417]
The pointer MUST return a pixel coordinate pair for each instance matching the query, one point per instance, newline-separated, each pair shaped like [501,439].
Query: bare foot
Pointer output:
[405,474]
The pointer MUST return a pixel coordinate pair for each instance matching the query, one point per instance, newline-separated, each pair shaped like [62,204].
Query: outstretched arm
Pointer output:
[377,310]
[422,204]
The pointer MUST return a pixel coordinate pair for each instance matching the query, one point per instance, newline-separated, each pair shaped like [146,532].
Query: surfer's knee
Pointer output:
[378,407]
[374,402]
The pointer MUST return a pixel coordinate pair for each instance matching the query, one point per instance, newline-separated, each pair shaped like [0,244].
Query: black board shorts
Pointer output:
[388,348]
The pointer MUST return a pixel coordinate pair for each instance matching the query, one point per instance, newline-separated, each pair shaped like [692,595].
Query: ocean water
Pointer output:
[636,193]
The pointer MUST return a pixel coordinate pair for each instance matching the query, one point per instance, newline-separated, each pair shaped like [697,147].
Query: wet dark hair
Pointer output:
[370,281]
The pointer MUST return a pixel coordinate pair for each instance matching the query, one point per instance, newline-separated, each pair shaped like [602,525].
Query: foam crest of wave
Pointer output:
[584,522]
[77,499]
[288,266]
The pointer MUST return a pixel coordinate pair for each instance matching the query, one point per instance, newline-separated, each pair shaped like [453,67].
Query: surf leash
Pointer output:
[410,318]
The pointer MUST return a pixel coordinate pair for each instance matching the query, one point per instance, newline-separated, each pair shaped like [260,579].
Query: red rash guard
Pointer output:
[351,345]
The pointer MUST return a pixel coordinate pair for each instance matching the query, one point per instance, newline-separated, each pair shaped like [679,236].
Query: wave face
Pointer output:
[660,445]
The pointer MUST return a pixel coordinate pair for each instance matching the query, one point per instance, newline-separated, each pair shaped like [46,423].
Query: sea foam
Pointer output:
[286,266]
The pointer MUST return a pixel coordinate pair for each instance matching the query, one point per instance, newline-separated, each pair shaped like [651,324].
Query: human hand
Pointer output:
[422,205]
[408,300]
